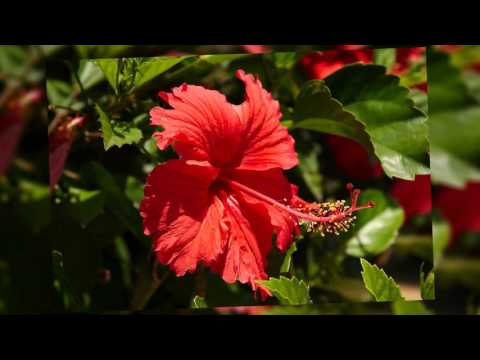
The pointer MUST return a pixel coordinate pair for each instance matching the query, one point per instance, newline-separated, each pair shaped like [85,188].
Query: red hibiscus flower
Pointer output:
[59,143]
[415,197]
[222,201]
[460,208]
[12,123]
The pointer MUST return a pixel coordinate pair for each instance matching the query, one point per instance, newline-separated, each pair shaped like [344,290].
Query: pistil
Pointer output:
[328,217]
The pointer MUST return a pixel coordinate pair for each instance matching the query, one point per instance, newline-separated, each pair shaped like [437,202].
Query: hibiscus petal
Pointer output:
[273,184]
[267,144]
[248,244]
[183,218]
[202,124]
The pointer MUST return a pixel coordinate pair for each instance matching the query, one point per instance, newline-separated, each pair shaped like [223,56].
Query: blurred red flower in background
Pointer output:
[256,49]
[222,201]
[460,208]
[353,159]
[321,64]
[13,119]
[415,197]
[59,143]
[405,57]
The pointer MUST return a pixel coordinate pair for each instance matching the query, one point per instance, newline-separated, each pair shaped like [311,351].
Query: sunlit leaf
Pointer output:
[288,291]
[375,229]
[380,286]
[117,133]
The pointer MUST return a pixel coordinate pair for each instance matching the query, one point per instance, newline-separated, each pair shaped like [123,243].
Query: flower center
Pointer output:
[326,217]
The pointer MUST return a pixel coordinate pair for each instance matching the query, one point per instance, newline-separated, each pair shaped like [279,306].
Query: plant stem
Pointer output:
[146,287]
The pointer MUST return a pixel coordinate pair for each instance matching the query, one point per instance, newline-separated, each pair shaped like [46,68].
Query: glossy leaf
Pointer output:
[380,286]
[375,229]
[117,133]
[397,129]
[90,74]
[288,291]
[316,109]
[110,70]
[151,68]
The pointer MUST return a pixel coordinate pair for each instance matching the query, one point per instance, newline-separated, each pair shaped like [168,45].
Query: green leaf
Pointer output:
[34,207]
[420,99]
[415,75]
[402,307]
[101,51]
[134,190]
[151,68]
[380,286]
[446,89]
[85,205]
[221,58]
[441,237]
[385,57]
[472,82]
[12,60]
[89,74]
[377,228]
[316,109]
[59,92]
[466,56]
[115,200]
[454,151]
[110,70]
[283,60]
[123,254]
[287,260]
[117,133]
[309,169]
[397,129]
[450,170]
[288,291]
[427,285]
[198,302]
